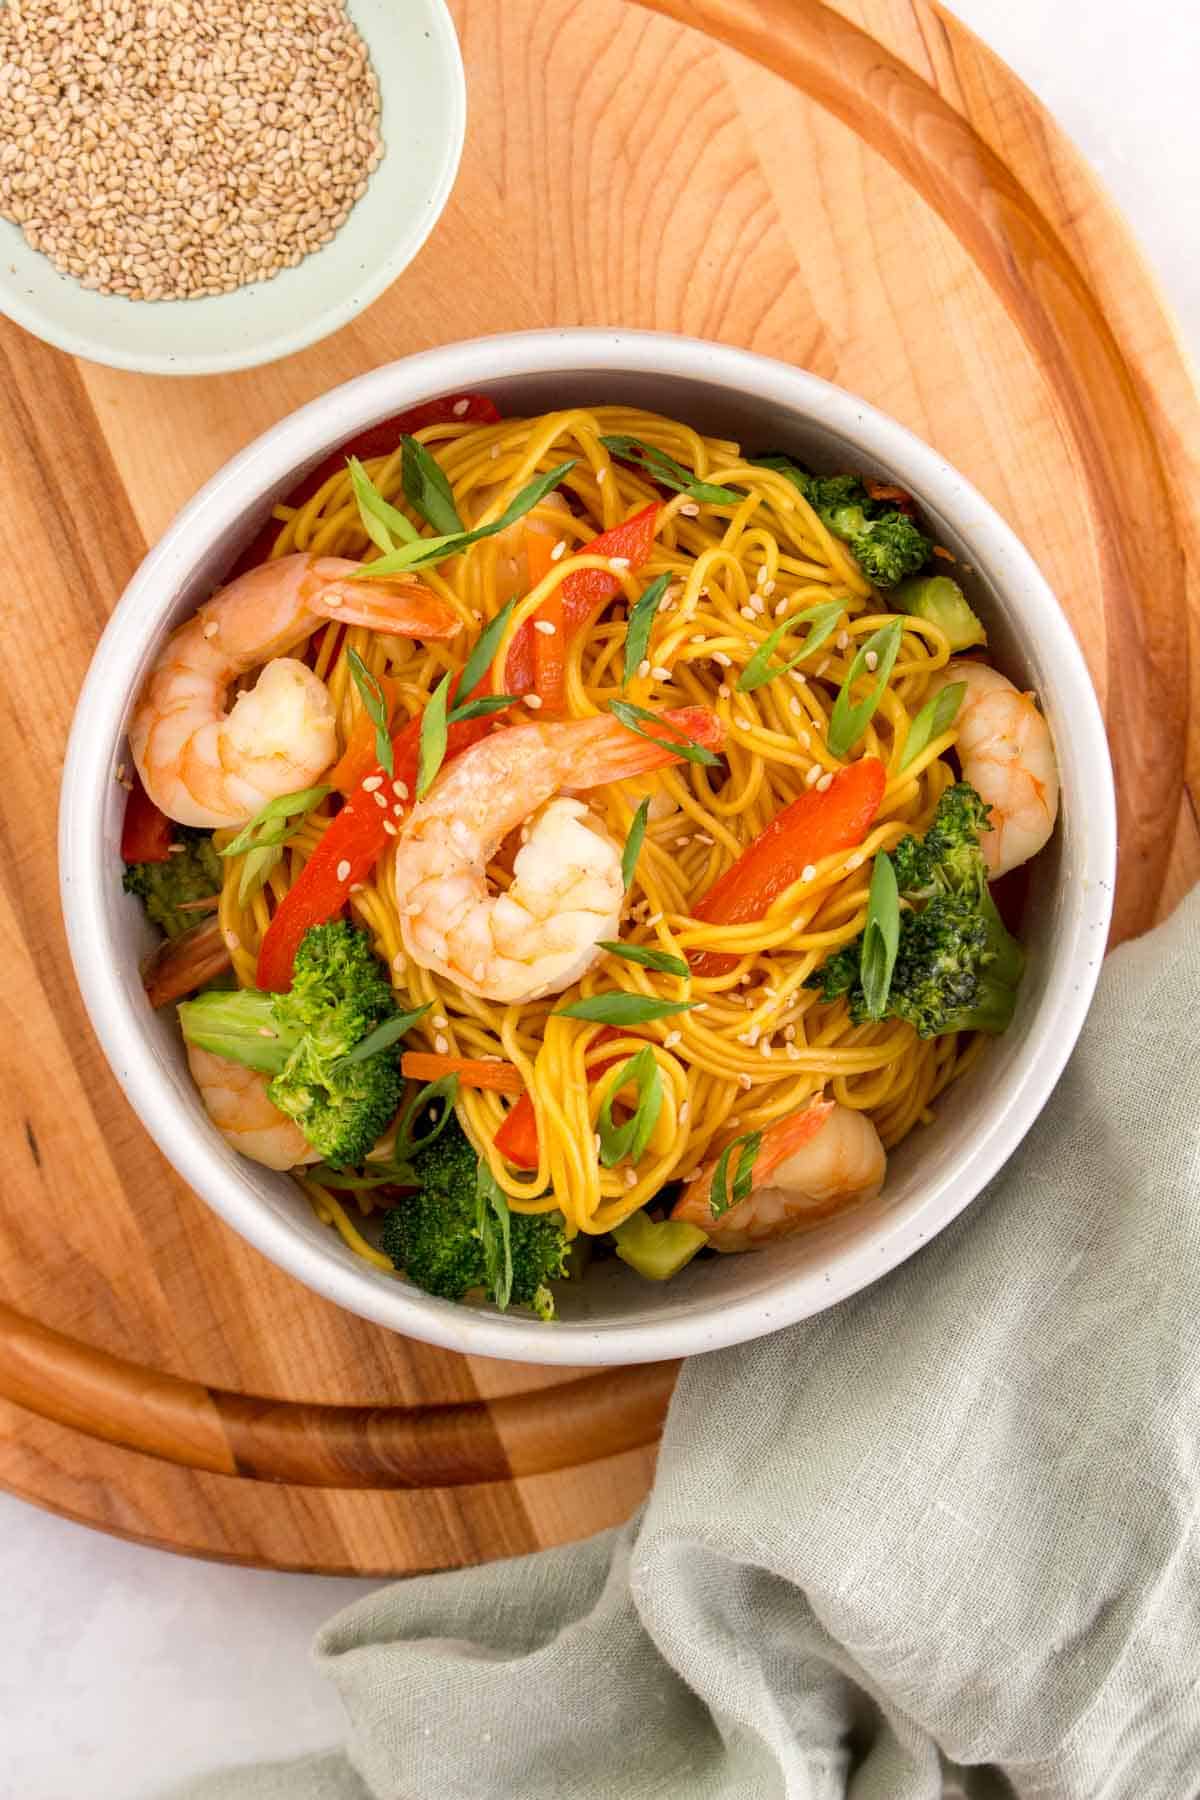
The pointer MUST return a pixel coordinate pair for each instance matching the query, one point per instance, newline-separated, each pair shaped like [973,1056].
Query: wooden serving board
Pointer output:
[866,192]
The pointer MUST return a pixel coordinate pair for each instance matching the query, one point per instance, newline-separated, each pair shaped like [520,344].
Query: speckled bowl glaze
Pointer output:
[422,88]
[612,1316]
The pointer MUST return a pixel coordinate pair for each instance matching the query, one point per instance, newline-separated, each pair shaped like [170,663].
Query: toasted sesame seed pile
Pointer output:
[176,148]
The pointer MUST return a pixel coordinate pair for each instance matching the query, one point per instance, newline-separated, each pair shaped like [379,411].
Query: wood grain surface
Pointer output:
[864,191]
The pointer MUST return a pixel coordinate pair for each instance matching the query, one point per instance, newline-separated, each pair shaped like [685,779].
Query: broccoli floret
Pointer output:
[340,993]
[957,968]
[885,542]
[439,1235]
[192,871]
[889,548]
[948,858]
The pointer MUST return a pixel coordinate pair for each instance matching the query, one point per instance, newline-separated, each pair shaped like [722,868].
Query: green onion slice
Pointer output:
[641,621]
[384,1035]
[937,715]
[382,522]
[668,473]
[633,843]
[649,959]
[372,696]
[881,937]
[275,822]
[619,1008]
[431,750]
[725,1193]
[822,621]
[436,549]
[628,1141]
[848,720]
[427,489]
[668,736]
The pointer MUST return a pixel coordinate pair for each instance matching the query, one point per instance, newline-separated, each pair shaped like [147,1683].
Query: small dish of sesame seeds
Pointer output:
[193,186]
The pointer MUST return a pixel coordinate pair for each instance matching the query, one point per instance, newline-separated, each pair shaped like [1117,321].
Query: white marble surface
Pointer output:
[123,1669]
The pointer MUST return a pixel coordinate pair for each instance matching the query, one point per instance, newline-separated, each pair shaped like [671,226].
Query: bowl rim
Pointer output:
[24,310]
[301,438]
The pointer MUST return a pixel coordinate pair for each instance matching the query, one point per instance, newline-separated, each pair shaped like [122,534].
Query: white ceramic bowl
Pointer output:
[613,1316]
[424,108]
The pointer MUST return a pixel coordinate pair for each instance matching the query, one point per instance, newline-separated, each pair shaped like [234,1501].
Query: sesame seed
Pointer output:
[689,509]
[439,1021]
[854,862]
[745,724]
[697,637]
[644,668]
[265,1031]
[761,576]
[794,706]
[596,1142]
[176,849]
[825,783]
[400,789]
[765,1047]
[441,1044]
[460,407]
[232,941]
[494,452]
[660,673]
[684,1110]
[781,608]
[818,724]
[559,550]
[685,839]
[343,870]
[789,1032]
[769,589]
[745,1082]
[392,830]
[545,626]
[333,599]
[758,605]
[630,1178]
[823,665]
[808,872]
[719,657]
[746,612]
[843,638]
[813,776]
[672,1038]
[601,476]
[533,701]
[381,800]
[371,783]
[618,563]
[702,837]
[655,920]
[724,691]
[751,1036]
[804,740]
[793,1055]
[397,809]
[211,629]
[872,660]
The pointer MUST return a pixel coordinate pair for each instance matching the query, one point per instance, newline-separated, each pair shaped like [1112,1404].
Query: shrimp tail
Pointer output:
[784,1138]
[403,606]
[615,753]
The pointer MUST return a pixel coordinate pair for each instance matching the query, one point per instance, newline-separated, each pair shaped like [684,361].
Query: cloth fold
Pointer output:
[948,1525]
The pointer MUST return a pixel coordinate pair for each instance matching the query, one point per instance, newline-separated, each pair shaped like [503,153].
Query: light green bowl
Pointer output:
[416,56]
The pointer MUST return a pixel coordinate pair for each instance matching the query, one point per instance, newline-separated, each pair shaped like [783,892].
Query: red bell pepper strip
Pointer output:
[376,440]
[517,1138]
[146,831]
[348,851]
[814,825]
[583,593]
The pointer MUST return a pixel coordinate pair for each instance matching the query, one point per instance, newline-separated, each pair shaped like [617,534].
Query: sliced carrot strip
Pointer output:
[472,1071]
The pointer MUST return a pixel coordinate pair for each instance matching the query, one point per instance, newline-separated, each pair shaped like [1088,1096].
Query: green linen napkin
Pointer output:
[948,1524]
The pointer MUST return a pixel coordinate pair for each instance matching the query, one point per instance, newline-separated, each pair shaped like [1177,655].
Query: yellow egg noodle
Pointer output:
[760,1044]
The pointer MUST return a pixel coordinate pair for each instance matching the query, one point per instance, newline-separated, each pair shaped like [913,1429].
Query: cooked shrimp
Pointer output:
[1005,752]
[205,766]
[511,546]
[235,1099]
[566,894]
[809,1165]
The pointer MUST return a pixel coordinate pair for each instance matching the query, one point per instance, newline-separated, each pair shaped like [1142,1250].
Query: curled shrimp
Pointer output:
[202,765]
[567,892]
[236,1100]
[809,1165]
[1006,753]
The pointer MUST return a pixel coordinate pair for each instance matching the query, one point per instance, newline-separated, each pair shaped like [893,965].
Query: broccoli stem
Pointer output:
[240,1025]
